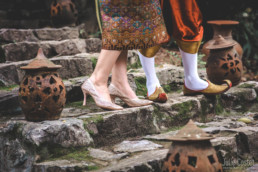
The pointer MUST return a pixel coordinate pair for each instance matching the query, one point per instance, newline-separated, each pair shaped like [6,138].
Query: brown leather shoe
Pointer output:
[158,96]
[212,89]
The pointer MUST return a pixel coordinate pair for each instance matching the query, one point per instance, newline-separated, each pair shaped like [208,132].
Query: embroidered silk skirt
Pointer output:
[132,24]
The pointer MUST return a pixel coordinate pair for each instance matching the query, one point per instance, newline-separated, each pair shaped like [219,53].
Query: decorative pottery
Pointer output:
[63,12]
[224,62]
[191,150]
[42,92]
[223,28]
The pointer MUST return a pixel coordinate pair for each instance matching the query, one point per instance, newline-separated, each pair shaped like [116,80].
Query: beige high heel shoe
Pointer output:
[88,88]
[114,92]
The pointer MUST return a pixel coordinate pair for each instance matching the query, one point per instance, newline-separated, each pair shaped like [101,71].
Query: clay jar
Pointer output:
[192,151]
[63,12]
[223,62]
[42,92]
[223,28]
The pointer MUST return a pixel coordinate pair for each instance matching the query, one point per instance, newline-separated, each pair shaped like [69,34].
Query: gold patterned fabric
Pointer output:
[132,24]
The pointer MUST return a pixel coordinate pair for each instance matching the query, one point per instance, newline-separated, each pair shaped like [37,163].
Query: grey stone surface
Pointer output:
[144,162]
[13,156]
[105,155]
[34,35]
[254,168]
[72,66]
[136,146]
[27,50]
[93,45]
[62,166]
[119,125]
[66,132]
[161,137]
[9,102]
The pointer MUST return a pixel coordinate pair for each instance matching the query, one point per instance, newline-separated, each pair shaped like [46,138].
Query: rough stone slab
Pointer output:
[253,168]
[72,66]
[34,35]
[226,148]
[161,137]
[119,125]
[93,45]
[62,166]
[13,156]
[105,155]
[28,50]
[65,132]
[247,139]
[136,146]
[143,162]
[177,110]
[9,102]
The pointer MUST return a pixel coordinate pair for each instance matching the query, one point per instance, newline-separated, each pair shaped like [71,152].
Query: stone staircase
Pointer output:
[133,139]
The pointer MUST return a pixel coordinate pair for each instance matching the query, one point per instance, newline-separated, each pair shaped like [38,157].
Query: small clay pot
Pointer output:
[223,28]
[224,62]
[42,92]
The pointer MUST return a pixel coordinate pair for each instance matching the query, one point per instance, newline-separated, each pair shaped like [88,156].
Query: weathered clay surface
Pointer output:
[136,146]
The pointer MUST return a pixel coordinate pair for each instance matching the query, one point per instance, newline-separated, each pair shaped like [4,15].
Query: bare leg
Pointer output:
[119,76]
[99,77]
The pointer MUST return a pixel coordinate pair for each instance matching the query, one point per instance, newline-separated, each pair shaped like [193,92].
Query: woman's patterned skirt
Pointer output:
[132,24]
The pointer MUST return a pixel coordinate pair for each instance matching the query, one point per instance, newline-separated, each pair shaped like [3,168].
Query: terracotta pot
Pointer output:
[223,28]
[192,151]
[224,62]
[42,92]
[63,12]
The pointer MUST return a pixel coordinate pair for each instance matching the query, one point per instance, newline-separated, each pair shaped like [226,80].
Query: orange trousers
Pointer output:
[183,20]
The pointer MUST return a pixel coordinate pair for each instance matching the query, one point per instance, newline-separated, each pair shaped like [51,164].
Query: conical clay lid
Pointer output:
[40,62]
[220,42]
[191,132]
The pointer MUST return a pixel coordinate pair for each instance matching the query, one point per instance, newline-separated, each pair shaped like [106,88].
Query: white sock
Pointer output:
[192,79]
[148,65]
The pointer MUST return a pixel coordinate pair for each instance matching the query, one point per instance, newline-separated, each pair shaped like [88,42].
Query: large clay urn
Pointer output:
[63,12]
[223,28]
[42,92]
[223,62]
[191,151]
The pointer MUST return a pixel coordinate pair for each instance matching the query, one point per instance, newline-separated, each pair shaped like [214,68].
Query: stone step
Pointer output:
[12,75]
[72,66]
[35,35]
[90,126]
[27,50]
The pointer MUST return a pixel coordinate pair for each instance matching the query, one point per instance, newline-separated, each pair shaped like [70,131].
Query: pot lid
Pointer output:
[190,132]
[223,22]
[220,42]
[41,62]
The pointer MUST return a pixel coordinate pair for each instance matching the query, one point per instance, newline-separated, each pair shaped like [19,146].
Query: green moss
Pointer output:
[245,85]
[7,88]
[183,108]
[56,152]
[218,105]
[94,62]
[141,86]
[95,119]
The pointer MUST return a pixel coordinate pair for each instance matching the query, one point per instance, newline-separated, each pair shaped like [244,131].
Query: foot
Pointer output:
[125,89]
[212,89]
[158,96]
[102,89]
